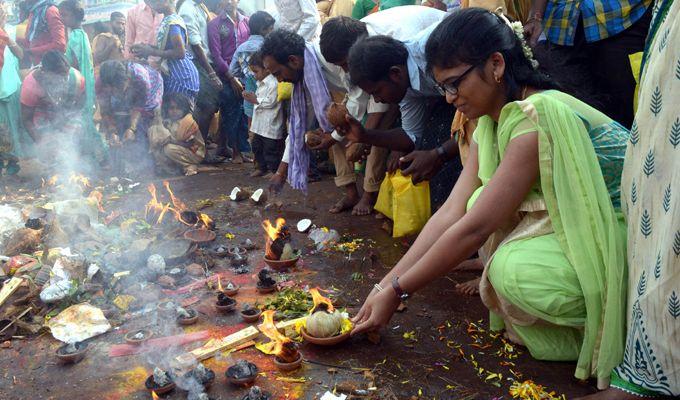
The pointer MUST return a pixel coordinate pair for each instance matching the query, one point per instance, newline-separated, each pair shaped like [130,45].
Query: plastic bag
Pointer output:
[635,65]
[284,91]
[324,237]
[406,204]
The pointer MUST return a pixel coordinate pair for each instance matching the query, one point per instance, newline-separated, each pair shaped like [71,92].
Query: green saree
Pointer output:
[556,274]
[79,54]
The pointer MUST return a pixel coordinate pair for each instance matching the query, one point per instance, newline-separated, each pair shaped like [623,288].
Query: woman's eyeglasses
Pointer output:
[452,87]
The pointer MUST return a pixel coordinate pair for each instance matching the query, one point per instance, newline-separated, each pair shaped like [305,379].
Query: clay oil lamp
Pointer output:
[160,382]
[72,353]
[265,283]
[285,351]
[325,326]
[201,374]
[186,316]
[250,314]
[166,308]
[278,251]
[138,337]
[255,393]
[238,255]
[243,373]
[224,303]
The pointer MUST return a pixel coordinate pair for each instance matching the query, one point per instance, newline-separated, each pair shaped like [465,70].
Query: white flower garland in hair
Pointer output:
[518,30]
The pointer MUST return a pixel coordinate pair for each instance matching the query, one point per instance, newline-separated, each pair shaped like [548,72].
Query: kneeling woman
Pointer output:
[533,199]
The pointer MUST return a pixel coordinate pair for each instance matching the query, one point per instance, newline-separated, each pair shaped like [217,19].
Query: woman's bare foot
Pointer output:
[469,288]
[474,264]
[611,394]
[365,204]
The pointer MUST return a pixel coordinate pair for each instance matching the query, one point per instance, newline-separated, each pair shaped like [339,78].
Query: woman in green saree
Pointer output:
[79,55]
[535,199]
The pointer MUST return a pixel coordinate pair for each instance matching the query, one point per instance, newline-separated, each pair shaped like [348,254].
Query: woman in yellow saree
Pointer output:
[538,198]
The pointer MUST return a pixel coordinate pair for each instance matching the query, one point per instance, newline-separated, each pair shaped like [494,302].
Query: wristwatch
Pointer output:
[403,296]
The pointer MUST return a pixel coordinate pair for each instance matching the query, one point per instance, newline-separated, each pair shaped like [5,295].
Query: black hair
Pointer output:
[255,60]
[101,27]
[116,15]
[281,44]
[371,59]
[54,61]
[338,35]
[470,36]
[74,7]
[259,22]
[181,100]
[113,73]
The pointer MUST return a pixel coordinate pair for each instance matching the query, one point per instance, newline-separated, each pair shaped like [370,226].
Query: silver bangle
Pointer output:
[378,287]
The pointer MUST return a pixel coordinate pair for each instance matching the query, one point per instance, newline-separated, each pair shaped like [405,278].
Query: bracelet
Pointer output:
[378,287]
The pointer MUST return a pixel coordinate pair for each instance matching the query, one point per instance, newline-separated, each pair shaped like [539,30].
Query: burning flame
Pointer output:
[80,179]
[50,182]
[273,232]
[219,284]
[154,396]
[157,208]
[177,203]
[320,301]
[95,195]
[207,221]
[280,345]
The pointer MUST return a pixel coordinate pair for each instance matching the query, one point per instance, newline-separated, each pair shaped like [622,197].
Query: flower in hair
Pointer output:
[518,30]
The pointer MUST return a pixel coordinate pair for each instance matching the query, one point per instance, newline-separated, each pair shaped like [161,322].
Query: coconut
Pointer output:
[322,324]
[238,194]
[303,225]
[259,196]
[313,138]
[336,114]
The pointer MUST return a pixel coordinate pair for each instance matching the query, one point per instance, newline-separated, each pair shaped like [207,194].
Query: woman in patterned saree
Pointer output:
[533,198]
[651,193]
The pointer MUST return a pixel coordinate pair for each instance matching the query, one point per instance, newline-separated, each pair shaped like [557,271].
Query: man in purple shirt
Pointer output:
[225,33]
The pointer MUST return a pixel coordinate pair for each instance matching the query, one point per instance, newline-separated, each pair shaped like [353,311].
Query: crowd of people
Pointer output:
[548,131]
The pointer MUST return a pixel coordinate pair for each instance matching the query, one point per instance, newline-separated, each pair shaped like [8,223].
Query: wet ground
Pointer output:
[438,348]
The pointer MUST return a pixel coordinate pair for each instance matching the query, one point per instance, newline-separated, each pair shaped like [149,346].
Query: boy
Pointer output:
[267,124]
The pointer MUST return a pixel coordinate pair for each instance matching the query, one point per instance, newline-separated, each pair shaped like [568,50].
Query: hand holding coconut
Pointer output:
[376,312]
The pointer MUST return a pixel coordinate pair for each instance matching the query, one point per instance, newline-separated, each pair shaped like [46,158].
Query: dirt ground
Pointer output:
[438,348]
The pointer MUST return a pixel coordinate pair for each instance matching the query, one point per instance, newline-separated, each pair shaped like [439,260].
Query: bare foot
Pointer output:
[345,203]
[469,288]
[474,264]
[256,173]
[365,205]
[611,394]
[237,159]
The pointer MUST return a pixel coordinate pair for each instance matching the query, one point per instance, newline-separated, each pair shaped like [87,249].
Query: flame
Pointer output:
[273,232]
[97,196]
[280,345]
[153,204]
[177,203]
[320,300]
[50,182]
[154,396]
[207,221]
[219,284]
[80,179]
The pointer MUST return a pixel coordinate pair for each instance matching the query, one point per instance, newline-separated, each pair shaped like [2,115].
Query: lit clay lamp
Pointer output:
[72,352]
[186,316]
[250,313]
[278,253]
[160,382]
[243,373]
[201,374]
[287,357]
[324,326]
[224,303]
[138,337]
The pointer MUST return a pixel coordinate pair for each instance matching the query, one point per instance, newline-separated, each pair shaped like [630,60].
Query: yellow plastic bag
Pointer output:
[406,204]
[284,91]
[635,64]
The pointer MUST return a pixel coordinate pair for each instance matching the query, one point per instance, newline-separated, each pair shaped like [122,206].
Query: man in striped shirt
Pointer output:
[588,47]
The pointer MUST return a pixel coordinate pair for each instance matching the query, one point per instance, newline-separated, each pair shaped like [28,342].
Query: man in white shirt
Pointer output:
[337,36]
[196,15]
[299,16]
[394,72]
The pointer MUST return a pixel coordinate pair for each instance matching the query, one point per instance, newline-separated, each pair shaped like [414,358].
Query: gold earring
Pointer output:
[498,78]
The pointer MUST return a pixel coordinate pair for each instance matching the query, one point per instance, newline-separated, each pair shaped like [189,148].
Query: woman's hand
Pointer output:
[129,135]
[141,49]
[376,312]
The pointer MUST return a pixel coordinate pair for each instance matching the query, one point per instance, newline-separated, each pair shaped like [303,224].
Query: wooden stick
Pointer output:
[9,289]
[16,319]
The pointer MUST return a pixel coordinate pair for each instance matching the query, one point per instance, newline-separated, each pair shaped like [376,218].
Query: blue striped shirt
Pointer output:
[601,18]
[183,75]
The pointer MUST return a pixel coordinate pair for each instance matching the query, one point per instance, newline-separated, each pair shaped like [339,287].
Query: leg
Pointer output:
[259,151]
[375,173]
[345,177]
[273,152]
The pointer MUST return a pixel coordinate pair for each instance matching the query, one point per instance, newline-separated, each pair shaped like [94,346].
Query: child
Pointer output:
[260,24]
[178,142]
[267,124]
